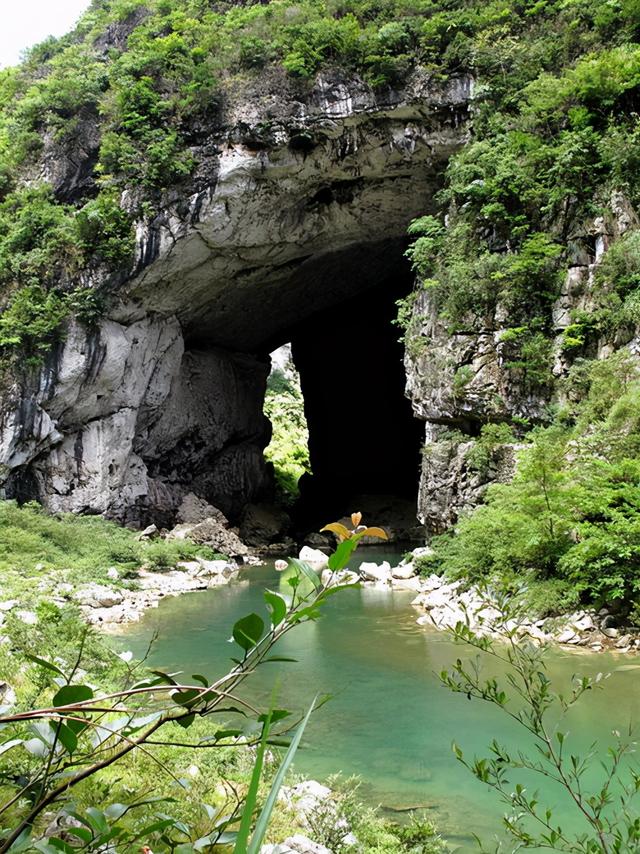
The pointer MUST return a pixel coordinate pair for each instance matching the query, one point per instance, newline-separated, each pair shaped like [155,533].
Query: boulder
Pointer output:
[306,796]
[376,572]
[343,576]
[610,632]
[583,623]
[99,596]
[297,844]
[568,636]
[317,559]
[193,509]
[30,618]
[8,605]
[318,541]
[150,533]
[7,694]
[404,571]
[412,584]
[211,532]
[64,589]
[263,523]
[191,566]
[216,567]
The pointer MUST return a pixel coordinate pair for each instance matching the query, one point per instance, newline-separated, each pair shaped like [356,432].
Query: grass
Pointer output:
[36,547]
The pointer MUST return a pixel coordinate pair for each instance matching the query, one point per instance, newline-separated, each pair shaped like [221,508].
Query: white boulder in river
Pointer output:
[376,572]
[314,557]
[404,571]
[297,844]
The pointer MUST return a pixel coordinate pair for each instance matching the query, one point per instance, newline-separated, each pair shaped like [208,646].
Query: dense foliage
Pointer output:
[569,523]
[288,450]
[555,147]
[554,119]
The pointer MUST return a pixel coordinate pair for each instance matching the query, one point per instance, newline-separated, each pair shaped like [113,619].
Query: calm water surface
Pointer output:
[389,721]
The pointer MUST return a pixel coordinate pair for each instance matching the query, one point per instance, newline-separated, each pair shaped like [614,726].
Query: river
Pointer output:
[389,721]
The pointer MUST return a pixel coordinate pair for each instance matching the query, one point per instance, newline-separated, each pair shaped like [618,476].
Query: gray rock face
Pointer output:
[458,382]
[304,202]
[449,481]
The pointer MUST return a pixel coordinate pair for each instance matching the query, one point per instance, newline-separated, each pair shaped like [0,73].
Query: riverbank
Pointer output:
[440,603]
[444,604]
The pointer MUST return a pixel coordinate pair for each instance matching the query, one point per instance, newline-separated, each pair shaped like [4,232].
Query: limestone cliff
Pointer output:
[296,204]
[459,382]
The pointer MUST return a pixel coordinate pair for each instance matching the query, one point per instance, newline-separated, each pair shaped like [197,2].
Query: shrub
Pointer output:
[571,516]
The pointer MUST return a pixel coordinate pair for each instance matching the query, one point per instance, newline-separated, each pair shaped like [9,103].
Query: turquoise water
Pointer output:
[389,721]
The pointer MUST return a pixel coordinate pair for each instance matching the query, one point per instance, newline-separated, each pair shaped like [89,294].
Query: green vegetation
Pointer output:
[555,130]
[116,754]
[36,548]
[555,140]
[570,520]
[288,450]
[43,247]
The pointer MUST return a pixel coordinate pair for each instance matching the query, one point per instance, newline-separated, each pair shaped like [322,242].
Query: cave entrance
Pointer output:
[363,439]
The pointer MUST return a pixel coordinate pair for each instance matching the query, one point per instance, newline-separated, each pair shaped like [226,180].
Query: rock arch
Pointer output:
[165,396]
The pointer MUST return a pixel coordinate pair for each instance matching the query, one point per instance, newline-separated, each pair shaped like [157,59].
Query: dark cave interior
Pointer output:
[363,438]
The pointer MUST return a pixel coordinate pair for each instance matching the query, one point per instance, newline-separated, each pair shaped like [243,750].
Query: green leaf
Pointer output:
[69,695]
[338,588]
[251,798]
[97,819]
[167,678]
[228,837]
[76,726]
[303,567]
[342,555]
[186,722]
[162,824]
[248,631]
[201,679]
[312,612]
[275,715]
[66,737]
[52,846]
[48,665]
[187,698]
[263,819]
[116,811]
[276,605]
[82,833]
[9,744]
